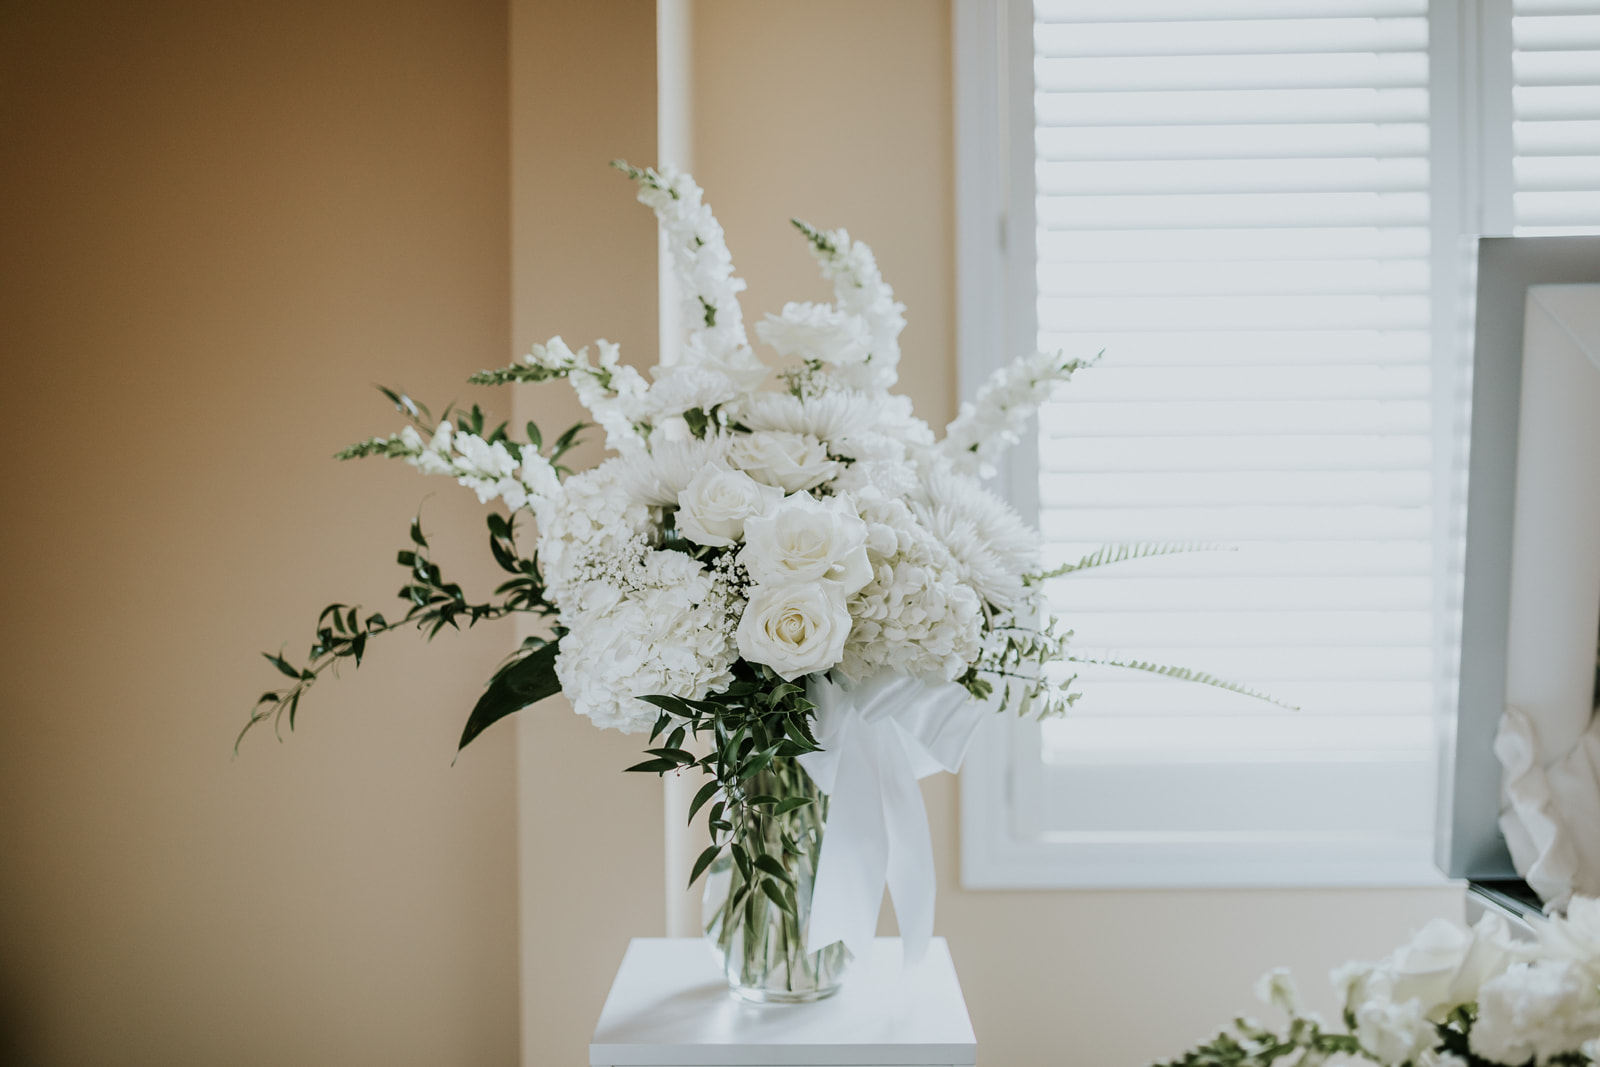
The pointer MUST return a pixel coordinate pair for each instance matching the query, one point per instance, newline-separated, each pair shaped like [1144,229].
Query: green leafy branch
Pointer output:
[1252,1045]
[1106,555]
[1184,674]
[344,632]
[755,728]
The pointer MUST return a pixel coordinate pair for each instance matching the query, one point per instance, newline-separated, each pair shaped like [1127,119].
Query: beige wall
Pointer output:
[220,224]
[840,112]
[583,266]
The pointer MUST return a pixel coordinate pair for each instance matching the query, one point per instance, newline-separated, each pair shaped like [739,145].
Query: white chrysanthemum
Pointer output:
[1535,1012]
[664,626]
[657,477]
[829,417]
[915,616]
[689,386]
[817,332]
[996,419]
[991,544]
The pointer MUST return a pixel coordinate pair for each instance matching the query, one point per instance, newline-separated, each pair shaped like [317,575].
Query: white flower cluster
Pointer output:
[1528,1002]
[492,470]
[988,425]
[802,532]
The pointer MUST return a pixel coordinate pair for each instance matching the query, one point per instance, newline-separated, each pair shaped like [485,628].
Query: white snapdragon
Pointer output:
[790,461]
[804,540]
[717,503]
[1393,1033]
[613,392]
[1277,988]
[996,419]
[860,291]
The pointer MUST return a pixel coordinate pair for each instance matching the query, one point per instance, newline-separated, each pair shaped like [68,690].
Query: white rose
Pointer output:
[806,540]
[1444,965]
[790,461]
[1535,1012]
[714,506]
[795,629]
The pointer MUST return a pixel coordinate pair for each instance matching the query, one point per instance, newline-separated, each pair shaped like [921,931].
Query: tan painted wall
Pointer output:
[219,225]
[841,112]
[583,266]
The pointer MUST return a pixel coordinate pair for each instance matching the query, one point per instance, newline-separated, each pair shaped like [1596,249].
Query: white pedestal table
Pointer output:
[670,1007]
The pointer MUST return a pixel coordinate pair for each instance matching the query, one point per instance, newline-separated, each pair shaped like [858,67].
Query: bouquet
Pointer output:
[1450,998]
[779,575]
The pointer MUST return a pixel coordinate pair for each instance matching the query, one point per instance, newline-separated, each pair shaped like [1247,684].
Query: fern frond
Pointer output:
[1184,674]
[1106,555]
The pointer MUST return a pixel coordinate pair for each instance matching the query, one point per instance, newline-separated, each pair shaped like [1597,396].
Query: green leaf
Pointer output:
[653,766]
[776,896]
[535,438]
[416,533]
[771,866]
[741,858]
[707,791]
[515,686]
[705,860]
[282,665]
[790,804]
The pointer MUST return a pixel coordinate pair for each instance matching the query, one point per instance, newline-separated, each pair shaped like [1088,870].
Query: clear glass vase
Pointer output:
[763,947]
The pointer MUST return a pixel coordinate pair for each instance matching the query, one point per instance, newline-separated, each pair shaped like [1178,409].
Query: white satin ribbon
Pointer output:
[877,739]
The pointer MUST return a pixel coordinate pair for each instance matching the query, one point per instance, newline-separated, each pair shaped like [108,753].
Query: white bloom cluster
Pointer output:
[1511,1002]
[490,470]
[996,419]
[802,532]
[614,392]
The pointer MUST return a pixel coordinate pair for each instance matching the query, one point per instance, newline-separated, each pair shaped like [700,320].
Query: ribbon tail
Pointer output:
[911,878]
[853,867]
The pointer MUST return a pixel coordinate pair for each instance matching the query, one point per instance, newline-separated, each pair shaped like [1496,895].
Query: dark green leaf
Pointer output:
[707,791]
[653,766]
[518,684]
[789,804]
[282,665]
[771,866]
[705,860]
[535,438]
[416,533]
[776,896]
[742,859]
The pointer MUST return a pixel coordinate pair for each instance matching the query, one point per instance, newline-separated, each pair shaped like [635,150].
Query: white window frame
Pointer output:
[1469,51]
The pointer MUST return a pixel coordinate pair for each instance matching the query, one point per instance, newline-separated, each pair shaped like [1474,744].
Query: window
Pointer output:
[1256,210]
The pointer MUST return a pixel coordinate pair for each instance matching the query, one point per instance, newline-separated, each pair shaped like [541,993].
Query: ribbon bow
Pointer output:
[877,739]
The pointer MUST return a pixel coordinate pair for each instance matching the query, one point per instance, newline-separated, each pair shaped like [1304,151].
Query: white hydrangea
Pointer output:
[996,419]
[915,616]
[593,523]
[1536,1011]
[662,625]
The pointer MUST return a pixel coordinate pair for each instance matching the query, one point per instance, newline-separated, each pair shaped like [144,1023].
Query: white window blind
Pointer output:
[1232,201]
[1556,116]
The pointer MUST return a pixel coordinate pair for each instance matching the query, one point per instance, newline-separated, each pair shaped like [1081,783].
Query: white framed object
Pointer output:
[1531,594]
[670,1007]
[1026,823]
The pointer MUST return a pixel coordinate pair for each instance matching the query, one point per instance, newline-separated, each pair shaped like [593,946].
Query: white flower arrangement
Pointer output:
[1451,997]
[765,546]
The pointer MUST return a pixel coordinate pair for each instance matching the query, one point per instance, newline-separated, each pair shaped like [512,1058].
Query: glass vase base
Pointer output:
[756,995]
